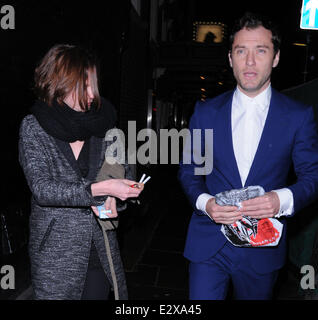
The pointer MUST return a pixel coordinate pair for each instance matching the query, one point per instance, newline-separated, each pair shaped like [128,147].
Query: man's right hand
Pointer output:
[222,214]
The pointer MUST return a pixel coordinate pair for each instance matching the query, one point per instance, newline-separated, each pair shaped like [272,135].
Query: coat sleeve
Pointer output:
[193,184]
[46,189]
[305,160]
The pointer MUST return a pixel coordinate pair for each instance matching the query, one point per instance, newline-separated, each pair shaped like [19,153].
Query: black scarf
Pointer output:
[66,124]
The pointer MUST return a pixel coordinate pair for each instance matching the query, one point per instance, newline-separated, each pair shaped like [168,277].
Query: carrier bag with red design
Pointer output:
[249,232]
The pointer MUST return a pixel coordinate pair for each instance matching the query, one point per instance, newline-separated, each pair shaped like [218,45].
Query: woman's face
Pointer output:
[72,99]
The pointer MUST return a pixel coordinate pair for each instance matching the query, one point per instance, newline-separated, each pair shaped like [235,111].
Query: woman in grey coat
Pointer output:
[61,150]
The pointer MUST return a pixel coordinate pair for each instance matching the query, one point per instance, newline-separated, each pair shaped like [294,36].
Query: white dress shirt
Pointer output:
[248,119]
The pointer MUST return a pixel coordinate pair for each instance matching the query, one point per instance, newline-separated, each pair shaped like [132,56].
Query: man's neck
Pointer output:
[252,95]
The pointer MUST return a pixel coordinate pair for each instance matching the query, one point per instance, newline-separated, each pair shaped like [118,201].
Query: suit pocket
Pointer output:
[47,234]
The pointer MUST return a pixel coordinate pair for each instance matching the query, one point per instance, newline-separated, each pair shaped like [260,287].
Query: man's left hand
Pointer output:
[265,206]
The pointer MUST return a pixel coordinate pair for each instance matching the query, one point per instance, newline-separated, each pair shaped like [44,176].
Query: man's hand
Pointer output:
[222,214]
[265,206]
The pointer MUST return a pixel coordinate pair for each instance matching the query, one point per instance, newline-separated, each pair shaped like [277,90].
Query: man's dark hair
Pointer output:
[252,21]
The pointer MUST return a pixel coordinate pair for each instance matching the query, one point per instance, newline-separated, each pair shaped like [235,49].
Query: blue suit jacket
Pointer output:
[289,138]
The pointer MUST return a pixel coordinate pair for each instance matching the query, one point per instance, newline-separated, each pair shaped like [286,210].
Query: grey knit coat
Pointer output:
[62,224]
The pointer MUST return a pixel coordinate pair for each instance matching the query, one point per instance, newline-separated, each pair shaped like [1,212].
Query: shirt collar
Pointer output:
[262,100]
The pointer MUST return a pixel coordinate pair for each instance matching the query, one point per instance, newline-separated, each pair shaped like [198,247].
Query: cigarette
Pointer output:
[142,178]
[146,180]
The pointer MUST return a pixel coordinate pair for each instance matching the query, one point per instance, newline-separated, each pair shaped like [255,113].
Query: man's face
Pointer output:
[252,59]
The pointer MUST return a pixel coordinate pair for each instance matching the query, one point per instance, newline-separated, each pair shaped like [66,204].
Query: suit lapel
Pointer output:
[224,146]
[274,127]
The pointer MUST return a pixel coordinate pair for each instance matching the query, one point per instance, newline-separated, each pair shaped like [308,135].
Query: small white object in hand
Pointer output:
[102,212]
[143,180]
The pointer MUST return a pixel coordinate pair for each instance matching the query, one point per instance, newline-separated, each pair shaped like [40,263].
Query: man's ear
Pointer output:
[230,58]
[276,59]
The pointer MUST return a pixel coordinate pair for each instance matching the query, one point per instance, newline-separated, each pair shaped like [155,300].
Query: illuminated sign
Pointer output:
[309,15]
[208,32]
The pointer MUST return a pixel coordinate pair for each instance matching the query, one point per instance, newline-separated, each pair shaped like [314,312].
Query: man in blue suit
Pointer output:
[258,135]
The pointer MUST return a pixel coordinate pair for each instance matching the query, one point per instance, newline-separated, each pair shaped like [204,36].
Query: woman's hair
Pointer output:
[65,70]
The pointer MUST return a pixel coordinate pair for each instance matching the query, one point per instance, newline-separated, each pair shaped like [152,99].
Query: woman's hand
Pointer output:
[110,204]
[118,188]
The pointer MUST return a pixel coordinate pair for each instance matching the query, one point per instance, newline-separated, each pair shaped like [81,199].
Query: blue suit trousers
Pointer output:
[209,280]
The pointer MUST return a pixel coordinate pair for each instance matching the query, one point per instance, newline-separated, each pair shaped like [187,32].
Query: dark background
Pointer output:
[139,67]
[110,28]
